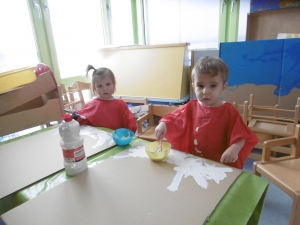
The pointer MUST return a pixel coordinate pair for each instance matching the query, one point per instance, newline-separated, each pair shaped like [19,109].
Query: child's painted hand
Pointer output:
[160,131]
[229,156]
[232,153]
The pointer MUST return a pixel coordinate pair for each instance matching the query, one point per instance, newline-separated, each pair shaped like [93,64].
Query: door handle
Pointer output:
[38,8]
[223,4]
[232,4]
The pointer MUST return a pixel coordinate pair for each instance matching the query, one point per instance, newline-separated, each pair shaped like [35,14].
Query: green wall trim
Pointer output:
[44,37]
[228,21]
[222,22]
[40,34]
[233,22]
[141,22]
[105,8]
[134,22]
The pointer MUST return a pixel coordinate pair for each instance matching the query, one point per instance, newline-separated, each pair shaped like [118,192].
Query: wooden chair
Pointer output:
[142,101]
[267,123]
[272,112]
[154,110]
[65,97]
[243,110]
[33,104]
[138,108]
[284,172]
[70,101]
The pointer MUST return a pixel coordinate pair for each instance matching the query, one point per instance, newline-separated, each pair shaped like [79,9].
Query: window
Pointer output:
[17,46]
[244,10]
[80,28]
[78,33]
[121,22]
[195,22]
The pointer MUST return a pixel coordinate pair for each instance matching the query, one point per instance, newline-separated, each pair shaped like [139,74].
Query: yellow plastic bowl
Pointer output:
[151,150]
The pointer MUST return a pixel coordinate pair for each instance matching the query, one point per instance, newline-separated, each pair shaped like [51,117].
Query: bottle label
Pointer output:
[74,155]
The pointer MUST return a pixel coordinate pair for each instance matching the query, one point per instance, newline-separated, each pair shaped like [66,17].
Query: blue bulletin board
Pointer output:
[262,5]
[290,73]
[264,62]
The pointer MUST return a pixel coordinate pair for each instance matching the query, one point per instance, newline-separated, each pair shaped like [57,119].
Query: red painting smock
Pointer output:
[111,114]
[208,131]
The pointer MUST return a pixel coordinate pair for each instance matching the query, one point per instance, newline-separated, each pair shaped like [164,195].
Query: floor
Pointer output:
[277,207]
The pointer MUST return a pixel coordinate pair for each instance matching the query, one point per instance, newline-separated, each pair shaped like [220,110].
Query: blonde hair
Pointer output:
[211,65]
[100,72]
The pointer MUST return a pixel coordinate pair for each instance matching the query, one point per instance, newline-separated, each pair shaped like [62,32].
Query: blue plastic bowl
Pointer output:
[122,136]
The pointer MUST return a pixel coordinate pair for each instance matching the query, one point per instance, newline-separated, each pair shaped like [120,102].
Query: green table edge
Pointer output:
[246,188]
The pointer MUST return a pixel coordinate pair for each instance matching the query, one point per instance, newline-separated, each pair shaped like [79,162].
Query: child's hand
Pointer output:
[232,153]
[160,131]
[229,156]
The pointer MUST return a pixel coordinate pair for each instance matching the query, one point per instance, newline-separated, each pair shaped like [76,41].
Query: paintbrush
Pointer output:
[75,114]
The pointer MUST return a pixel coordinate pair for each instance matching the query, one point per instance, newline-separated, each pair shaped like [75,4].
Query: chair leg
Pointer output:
[295,214]
[254,169]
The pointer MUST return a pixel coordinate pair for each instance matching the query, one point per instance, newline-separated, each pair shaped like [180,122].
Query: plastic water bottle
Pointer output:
[72,146]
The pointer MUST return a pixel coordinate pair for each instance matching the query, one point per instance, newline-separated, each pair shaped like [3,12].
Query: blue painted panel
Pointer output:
[253,62]
[290,75]
[263,5]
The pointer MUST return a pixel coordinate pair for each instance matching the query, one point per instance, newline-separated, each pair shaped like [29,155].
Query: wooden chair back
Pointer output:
[283,171]
[243,110]
[272,113]
[142,101]
[33,104]
[70,101]
[154,110]
[65,97]
[267,123]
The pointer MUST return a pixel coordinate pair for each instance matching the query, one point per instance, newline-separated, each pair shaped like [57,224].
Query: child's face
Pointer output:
[208,89]
[104,87]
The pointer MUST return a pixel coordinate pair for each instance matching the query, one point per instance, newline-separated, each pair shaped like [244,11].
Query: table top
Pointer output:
[20,158]
[241,203]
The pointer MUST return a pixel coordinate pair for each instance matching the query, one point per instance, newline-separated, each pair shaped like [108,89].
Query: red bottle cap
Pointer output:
[67,117]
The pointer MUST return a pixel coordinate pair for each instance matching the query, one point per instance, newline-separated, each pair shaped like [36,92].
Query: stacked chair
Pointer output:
[33,104]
